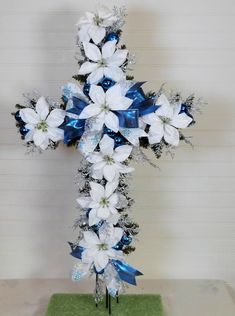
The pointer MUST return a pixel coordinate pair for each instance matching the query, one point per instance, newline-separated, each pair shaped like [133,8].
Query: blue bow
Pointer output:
[73,126]
[126,272]
[140,106]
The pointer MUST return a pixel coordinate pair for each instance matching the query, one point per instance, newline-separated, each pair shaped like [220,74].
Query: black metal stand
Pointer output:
[108,299]
[96,281]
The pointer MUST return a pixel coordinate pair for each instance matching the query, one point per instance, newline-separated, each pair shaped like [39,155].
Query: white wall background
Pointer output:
[186,211]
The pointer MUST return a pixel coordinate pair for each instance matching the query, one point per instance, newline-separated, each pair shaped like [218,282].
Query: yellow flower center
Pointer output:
[42,126]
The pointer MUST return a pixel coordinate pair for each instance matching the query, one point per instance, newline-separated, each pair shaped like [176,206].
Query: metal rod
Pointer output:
[96,281]
[107,298]
[110,308]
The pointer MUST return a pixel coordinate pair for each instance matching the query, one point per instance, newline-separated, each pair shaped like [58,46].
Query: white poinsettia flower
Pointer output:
[102,63]
[103,106]
[93,25]
[165,121]
[107,162]
[43,124]
[102,202]
[98,250]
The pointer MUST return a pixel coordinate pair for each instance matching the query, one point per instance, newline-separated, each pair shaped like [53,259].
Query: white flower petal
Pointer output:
[113,200]
[98,123]
[108,49]
[99,165]
[93,219]
[133,134]
[42,108]
[87,67]
[116,236]
[101,261]
[87,255]
[94,157]
[165,109]
[55,134]
[90,110]
[97,174]
[151,119]
[113,93]
[113,219]
[97,94]
[83,35]
[55,118]
[122,153]
[29,116]
[91,238]
[94,204]
[103,212]
[109,172]
[97,191]
[110,188]
[84,201]
[122,104]
[96,33]
[156,133]
[41,139]
[171,135]
[114,72]
[111,121]
[106,145]
[29,126]
[96,76]
[181,120]
[118,58]
[29,135]
[92,51]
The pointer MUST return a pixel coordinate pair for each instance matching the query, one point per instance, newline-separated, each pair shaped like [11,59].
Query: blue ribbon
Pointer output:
[140,106]
[126,272]
[128,118]
[74,127]
[76,251]
[140,102]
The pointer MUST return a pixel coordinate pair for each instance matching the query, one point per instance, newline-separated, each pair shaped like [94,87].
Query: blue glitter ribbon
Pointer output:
[140,102]
[140,106]
[128,118]
[76,250]
[126,272]
[73,126]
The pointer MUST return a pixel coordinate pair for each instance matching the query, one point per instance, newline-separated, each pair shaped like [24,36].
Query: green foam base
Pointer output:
[84,305]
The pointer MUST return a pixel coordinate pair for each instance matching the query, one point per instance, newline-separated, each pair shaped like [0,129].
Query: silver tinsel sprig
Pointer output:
[121,14]
[127,224]
[99,290]
[195,105]
[139,156]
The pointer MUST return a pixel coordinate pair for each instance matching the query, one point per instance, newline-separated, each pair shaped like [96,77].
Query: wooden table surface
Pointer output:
[180,297]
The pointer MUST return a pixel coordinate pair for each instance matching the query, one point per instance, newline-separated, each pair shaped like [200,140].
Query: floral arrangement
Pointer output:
[107,117]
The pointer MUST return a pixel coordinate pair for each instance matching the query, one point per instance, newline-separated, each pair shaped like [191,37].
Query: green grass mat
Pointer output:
[84,305]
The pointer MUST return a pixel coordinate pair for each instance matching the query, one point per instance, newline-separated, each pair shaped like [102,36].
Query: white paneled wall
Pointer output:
[186,210]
